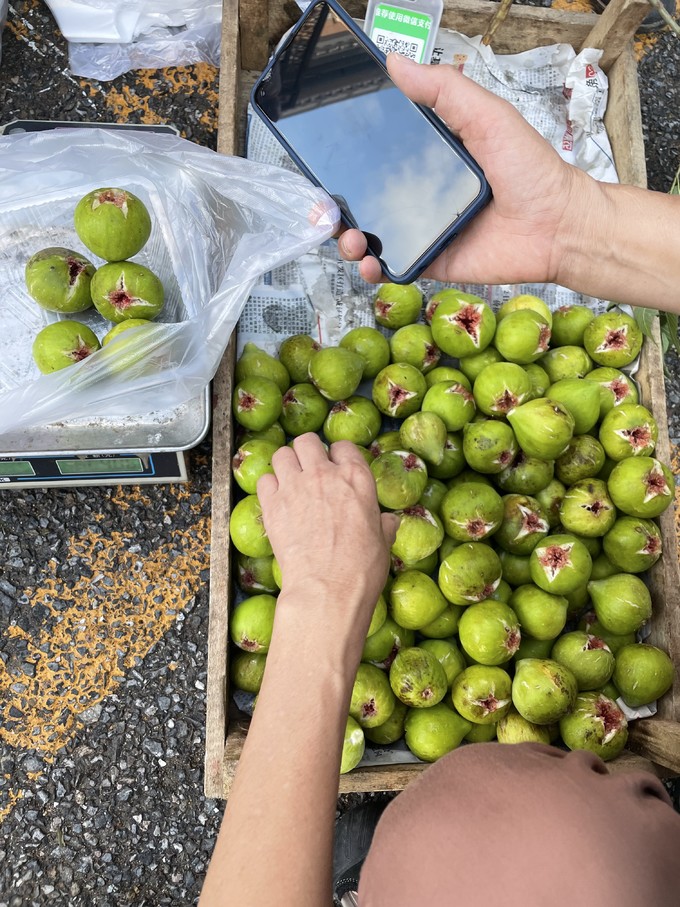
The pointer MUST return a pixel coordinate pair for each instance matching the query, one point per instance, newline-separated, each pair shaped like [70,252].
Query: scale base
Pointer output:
[92,469]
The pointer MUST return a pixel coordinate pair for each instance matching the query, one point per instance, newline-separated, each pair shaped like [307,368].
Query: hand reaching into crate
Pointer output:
[548,222]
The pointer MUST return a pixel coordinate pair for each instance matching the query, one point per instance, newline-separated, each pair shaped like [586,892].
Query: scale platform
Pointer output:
[136,450]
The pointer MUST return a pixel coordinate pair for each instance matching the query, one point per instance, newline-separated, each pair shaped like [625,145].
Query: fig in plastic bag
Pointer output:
[597,724]
[256,403]
[462,324]
[471,511]
[621,602]
[513,728]
[415,600]
[501,387]
[256,361]
[569,324]
[434,732]
[61,344]
[355,419]
[588,657]
[482,694]
[414,345]
[353,745]
[641,486]
[613,339]
[371,345]
[642,674]
[252,623]
[587,510]
[522,336]
[59,279]
[543,427]
[417,678]
[633,545]
[560,564]
[543,691]
[295,353]
[470,573]
[541,614]
[372,701]
[628,430]
[395,305]
[112,223]
[399,390]
[303,409]
[336,372]
[489,632]
[400,478]
[124,289]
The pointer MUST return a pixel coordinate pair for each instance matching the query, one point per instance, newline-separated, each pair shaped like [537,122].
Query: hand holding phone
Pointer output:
[398,174]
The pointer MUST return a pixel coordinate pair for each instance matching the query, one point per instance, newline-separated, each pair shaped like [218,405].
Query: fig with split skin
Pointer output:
[462,324]
[61,344]
[58,279]
[113,223]
[395,306]
[596,723]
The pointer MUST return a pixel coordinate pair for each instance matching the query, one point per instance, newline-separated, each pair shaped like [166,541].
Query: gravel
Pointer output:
[116,816]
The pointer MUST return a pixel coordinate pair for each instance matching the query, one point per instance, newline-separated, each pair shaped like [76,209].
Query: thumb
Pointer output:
[465,107]
[390,524]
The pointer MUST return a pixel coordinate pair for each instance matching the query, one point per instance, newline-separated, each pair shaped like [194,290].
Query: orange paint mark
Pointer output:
[11,798]
[573,6]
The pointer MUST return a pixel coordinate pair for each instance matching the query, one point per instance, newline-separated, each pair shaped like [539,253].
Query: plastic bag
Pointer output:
[107,39]
[218,224]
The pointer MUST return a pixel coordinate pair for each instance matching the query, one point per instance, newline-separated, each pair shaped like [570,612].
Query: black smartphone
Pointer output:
[395,170]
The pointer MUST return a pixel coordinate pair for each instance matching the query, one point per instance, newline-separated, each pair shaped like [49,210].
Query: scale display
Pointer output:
[92,469]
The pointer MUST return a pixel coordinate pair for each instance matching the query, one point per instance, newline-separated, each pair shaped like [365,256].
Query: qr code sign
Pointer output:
[390,43]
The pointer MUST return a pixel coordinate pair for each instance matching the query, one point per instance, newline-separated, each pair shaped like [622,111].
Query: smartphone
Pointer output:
[395,170]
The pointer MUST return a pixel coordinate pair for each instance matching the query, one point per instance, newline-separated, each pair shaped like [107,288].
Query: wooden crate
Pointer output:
[251,28]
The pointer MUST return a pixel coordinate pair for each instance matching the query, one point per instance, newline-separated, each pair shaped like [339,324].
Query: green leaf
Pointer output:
[669,332]
[675,188]
[645,319]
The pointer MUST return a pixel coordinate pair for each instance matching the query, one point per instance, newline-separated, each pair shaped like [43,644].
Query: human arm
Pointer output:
[332,543]
[548,222]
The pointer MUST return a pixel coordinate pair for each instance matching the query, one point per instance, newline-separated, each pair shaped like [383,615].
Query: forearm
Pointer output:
[275,844]
[622,244]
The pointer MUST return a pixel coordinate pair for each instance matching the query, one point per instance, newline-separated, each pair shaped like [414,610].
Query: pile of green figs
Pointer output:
[516,452]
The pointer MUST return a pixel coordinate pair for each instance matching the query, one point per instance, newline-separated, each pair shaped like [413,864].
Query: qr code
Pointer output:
[406,48]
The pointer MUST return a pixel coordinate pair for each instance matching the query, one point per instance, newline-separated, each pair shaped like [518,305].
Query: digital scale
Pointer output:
[137,450]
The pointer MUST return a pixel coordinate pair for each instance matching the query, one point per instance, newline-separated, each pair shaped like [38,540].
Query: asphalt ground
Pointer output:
[104,592]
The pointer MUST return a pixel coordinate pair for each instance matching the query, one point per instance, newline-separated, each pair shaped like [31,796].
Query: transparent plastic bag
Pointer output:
[219,223]
[109,37]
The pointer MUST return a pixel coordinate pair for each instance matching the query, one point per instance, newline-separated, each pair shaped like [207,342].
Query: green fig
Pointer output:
[470,573]
[628,430]
[489,446]
[501,387]
[125,289]
[588,657]
[453,459]
[415,600]
[381,647]
[516,568]
[642,674]
[525,475]
[352,746]
[59,280]
[414,345]
[391,730]
[425,434]
[471,366]
[591,625]
[252,623]
[641,487]
[61,344]
[384,443]
[632,545]
[417,678]
[587,509]
[539,380]
[254,575]
[372,701]
[533,648]
[550,499]
[597,724]
[256,403]
[543,427]
[615,388]
[447,654]
[434,732]
[613,339]
[523,524]
[482,694]
[399,390]
[583,459]
[252,460]
[400,479]
[247,529]
[274,434]
[247,670]
[447,373]
[303,409]
[433,495]
[582,399]
[254,361]
[602,566]
[295,353]
[371,345]
[522,336]
[445,625]
[541,614]
[452,402]
[462,324]
[622,602]
[336,372]
[489,632]
[378,617]
[112,223]
[543,691]
[420,533]
[522,302]
[513,728]
[395,305]
[566,362]
[560,564]
[569,324]
[481,733]
[355,419]
[471,512]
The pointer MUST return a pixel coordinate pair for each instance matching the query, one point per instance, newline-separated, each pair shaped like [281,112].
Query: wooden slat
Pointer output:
[615,28]
[623,120]
[658,740]
[230,70]
[255,34]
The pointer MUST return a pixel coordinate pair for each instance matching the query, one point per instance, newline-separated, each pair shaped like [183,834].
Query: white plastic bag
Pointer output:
[109,37]
[219,223]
